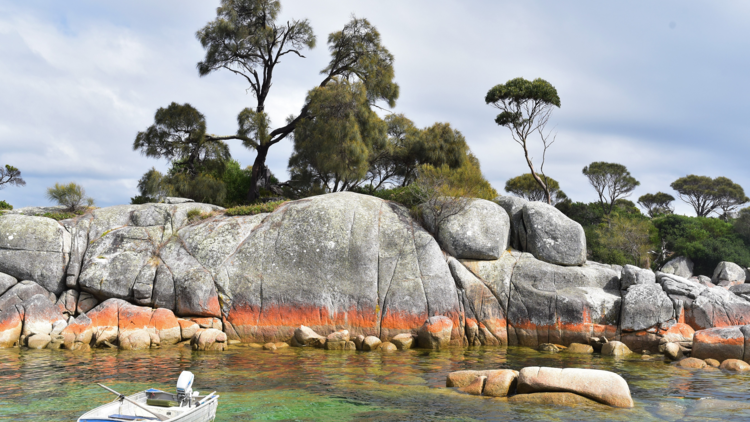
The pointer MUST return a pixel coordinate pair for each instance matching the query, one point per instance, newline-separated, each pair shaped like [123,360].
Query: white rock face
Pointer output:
[728,272]
[632,275]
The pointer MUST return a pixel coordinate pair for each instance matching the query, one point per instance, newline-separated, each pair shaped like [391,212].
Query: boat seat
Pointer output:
[132,418]
[162,403]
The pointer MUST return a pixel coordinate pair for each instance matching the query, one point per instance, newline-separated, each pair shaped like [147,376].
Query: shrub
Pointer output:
[72,196]
[706,241]
[254,208]
[5,206]
[60,215]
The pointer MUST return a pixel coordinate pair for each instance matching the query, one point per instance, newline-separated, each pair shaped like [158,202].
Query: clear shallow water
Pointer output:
[309,385]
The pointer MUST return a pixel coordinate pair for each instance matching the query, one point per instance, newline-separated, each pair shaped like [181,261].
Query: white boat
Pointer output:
[157,405]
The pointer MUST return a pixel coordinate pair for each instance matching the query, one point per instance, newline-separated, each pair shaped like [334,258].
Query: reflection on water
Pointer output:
[311,384]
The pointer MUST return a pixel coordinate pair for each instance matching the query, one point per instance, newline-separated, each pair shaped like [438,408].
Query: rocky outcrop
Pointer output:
[602,386]
[632,275]
[490,383]
[561,305]
[435,333]
[680,266]
[728,274]
[553,237]
[485,317]
[514,207]
[645,306]
[342,260]
[34,248]
[722,343]
[702,307]
[480,231]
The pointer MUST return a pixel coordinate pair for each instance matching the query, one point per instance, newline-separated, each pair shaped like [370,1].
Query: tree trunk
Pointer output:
[258,166]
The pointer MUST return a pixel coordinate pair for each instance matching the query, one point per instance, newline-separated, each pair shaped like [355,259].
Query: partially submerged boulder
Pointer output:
[435,333]
[722,343]
[209,339]
[615,348]
[602,386]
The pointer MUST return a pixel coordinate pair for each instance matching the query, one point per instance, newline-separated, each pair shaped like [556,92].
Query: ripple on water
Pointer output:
[309,384]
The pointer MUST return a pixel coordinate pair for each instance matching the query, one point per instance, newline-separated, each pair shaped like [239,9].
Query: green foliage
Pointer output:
[10,175]
[72,196]
[706,241]
[141,199]
[332,147]
[623,239]
[708,195]
[741,225]
[517,94]
[611,181]
[254,208]
[179,134]
[656,204]
[5,206]
[61,215]
[526,186]
[236,182]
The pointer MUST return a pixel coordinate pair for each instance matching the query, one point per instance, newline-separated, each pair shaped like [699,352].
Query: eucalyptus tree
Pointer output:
[611,181]
[658,203]
[707,195]
[246,39]
[525,108]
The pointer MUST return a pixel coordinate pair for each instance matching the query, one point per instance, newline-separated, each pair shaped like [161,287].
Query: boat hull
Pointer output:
[206,412]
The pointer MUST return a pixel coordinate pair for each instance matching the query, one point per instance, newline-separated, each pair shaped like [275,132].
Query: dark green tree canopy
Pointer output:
[708,195]
[611,181]
[658,203]
[525,186]
[10,175]
[332,146]
[525,108]
[179,134]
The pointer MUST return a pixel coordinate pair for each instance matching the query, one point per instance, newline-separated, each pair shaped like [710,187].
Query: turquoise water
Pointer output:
[311,385]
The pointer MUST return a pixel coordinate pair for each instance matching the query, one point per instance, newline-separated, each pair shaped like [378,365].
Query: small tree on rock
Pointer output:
[71,195]
[658,203]
[611,181]
[525,108]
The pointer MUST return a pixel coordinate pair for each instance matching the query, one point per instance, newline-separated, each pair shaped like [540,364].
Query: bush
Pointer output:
[706,241]
[60,215]
[196,214]
[5,206]
[72,196]
[255,208]
[142,199]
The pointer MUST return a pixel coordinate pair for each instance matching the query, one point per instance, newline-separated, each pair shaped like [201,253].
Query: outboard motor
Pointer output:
[185,388]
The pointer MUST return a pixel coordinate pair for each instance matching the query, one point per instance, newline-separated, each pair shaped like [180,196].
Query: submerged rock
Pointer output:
[602,386]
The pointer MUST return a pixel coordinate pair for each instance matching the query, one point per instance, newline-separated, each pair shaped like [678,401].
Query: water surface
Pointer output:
[310,384]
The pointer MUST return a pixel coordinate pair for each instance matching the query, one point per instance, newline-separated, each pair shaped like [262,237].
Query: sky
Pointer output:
[659,87]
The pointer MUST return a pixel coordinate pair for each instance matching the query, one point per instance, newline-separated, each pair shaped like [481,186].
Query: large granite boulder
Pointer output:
[553,237]
[741,290]
[602,386]
[480,231]
[22,292]
[338,261]
[722,343]
[34,248]
[703,307]
[481,308]
[40,315]
[6,282]
[435,333]
[645,306]
[632,275]
[728,274]
[680,266]
[514,207]
[561,305]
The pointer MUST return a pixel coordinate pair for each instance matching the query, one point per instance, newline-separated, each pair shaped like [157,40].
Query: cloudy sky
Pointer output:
[657,86]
